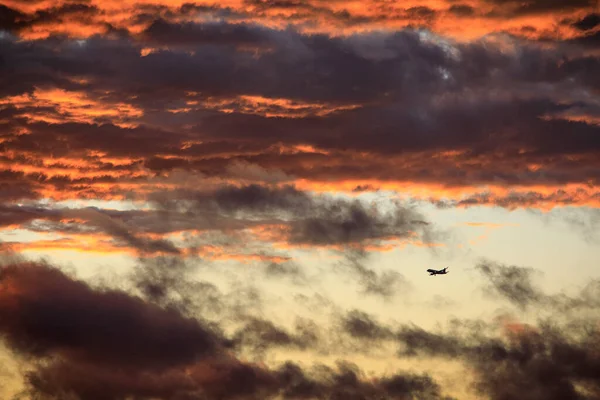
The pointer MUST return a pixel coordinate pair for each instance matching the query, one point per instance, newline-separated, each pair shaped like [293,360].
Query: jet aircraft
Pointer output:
[437,272]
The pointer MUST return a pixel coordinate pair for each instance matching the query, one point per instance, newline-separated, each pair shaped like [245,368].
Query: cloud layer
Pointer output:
[488,121]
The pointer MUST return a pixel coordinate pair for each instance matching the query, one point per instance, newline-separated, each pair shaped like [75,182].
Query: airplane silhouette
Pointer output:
[437,272]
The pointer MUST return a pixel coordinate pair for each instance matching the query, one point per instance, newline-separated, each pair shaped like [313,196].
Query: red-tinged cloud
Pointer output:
[102,118]
[223,108]
[466,19]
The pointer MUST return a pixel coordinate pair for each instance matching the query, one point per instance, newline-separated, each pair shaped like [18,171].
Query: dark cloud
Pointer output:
[119,230]
[517,285]
[287,270]
[521,8]
[462,10]
[542,362]
[9,18]
[511,282]
[317,219]
[346,382]
[46,313]
[527,199]
[420,12]
[162,32]
[260,335]
[13,20]
[17,185]
[385,284]
[554,358]
[415,341]
[588,22]
[490,106]
[98,343]
[361,325]
[20,215]
[169,281]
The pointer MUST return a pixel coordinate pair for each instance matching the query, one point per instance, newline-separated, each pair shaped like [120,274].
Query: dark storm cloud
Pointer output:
[45,312]
[588,22]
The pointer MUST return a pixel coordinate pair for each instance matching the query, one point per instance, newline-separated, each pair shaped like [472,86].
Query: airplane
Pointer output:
[438,272]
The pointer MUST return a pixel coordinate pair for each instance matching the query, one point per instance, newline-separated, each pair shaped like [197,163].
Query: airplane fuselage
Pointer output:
[437,272]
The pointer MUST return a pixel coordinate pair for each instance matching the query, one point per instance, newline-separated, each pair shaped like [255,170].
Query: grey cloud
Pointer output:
[512,282]
[386,284]
[316,219]
[120,231]
[162,32]
[517,285]
[361,325]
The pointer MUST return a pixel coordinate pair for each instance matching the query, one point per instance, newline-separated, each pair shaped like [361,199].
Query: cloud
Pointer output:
[511,282]
[120,231]
[459,114]
[361,325]
[102,343]
[555,357]
[42,19]
[386,284]
[345,382]
[47,313]
[516,284]
[521,8]
[588,22]
[260,335]
[313,219]
[162,32]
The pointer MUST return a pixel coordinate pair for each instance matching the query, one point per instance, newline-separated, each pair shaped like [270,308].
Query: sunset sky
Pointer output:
[240,199]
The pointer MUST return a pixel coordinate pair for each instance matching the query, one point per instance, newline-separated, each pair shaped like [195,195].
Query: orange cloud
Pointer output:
[467,20]
[72,106]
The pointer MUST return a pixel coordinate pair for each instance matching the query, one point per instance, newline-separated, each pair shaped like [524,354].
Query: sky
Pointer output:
[240,200]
